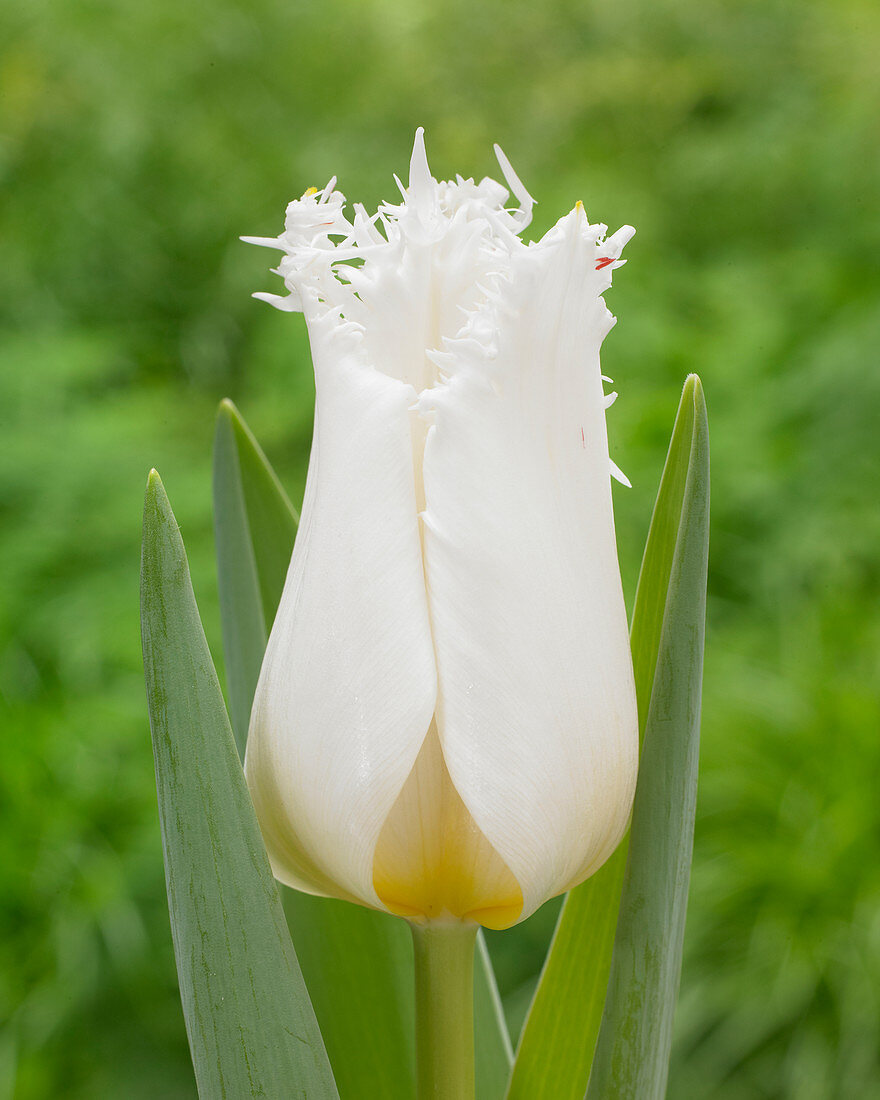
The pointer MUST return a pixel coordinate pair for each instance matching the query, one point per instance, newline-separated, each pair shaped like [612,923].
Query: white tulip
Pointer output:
[445,723]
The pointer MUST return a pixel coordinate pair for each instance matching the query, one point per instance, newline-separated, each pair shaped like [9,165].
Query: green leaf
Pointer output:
[251,1028]
[357,963]
[358,967]
[254,526]
[493,1050]
[559,1037]
[632,1051]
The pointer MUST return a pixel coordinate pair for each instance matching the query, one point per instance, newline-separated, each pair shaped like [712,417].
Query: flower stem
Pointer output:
[444,958]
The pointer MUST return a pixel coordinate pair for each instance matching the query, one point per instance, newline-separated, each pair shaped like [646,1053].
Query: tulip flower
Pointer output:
[445,723]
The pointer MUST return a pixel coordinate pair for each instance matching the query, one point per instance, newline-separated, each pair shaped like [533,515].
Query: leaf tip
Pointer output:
[693,390]
[156,503]
[227,410]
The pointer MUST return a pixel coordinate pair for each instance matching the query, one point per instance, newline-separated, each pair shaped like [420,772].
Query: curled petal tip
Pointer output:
[525,200]
[618,474]
[621,237]
[287,303]
[264,242]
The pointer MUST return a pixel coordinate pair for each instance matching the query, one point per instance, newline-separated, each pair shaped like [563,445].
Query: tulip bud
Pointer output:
[445,722]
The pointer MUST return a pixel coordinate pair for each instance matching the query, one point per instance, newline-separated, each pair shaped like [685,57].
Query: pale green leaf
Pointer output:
[493,1050]
[252,1031]
[559,1037]
[632,1051]
[357,963]
[254,526]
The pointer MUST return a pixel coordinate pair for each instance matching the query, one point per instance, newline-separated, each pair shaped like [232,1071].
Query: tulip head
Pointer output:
[445,722]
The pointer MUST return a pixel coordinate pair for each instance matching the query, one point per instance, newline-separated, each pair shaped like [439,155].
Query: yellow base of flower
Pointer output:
[432,862]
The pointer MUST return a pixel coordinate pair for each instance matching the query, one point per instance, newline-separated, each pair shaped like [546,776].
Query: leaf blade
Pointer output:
[559,1035]
[254,528]
[635,1037]
[492,1048]
[250,1024]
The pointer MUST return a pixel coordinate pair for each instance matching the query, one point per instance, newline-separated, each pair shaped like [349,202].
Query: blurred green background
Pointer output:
[137,141]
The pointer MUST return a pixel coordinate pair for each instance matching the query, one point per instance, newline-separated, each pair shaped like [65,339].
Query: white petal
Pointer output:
[536,706]
[348,684]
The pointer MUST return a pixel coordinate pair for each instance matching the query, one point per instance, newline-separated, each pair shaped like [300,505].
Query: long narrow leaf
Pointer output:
[632,1052]
[251,1028]
[357,963]
[559,1037]
[254,526]
[493,1050]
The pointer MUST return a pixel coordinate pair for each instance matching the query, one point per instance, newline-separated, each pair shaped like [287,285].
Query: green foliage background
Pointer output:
[137,141]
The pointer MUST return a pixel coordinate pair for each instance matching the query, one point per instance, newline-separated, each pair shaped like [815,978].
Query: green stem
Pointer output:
[444,958]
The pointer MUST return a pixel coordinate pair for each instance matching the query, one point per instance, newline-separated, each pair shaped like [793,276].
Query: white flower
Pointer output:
[445,722]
